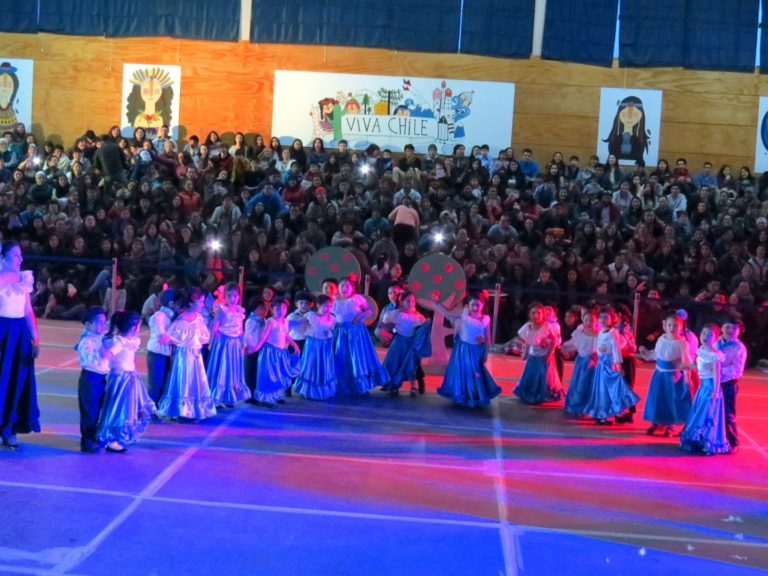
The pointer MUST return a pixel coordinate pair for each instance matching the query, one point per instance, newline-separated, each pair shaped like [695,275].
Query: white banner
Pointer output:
[151,96]
[761,149]
[392,111]
[629,125]
[16,80]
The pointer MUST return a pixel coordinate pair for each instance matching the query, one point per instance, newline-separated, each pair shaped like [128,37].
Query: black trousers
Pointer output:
[730,391]
[158,372]
[628,368]
[90,396]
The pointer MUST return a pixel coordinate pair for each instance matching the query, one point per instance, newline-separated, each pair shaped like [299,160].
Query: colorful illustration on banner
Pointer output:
[629,138]
[629,125]
[761,145]
[150,98]
[394,112]
[15,93]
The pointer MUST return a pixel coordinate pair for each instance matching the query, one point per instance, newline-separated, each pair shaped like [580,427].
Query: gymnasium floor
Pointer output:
[380,486]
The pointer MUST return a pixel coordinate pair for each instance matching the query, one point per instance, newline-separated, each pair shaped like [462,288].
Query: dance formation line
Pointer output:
[323,349]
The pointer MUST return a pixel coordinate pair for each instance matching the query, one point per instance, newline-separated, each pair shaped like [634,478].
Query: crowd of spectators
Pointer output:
[560,230]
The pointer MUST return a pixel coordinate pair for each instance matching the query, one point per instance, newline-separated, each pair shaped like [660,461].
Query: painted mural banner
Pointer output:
[629,125]
[392,111]
[16,81]
[150,99]
[761,148]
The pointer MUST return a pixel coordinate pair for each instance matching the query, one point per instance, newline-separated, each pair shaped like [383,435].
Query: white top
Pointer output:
[609,342]
[278,330]
[254,326]
[13,297]
[671,349]
[405,323]
[319,327]
[230,320]
[159,323]
[123,353]
[735,359]
[297,328]
[584,344]
[557,332]
[469,329]
[707,362]
[537,339]
[345,309]
[89,349]
[186,334]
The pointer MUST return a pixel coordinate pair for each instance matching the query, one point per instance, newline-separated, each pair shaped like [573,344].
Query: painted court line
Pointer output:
[512,557]
[84,552]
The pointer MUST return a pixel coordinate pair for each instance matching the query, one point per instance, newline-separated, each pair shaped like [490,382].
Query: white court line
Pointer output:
[61,366]
[762,451]
[508,534]
[84,552]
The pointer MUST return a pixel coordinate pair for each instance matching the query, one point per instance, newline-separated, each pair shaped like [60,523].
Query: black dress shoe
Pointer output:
[281,401]
[627,418]
[11,443]
[422,386]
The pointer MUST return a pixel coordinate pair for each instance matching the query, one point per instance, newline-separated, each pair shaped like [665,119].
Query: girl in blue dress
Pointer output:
[127,408]
[704,431]
[584,342]
[467,381]
[410,344]
[188,394]
[254,326]
[358,368]
[611,396]
[317,372]
[669,399]
[277,367]
[539,381]
[226,365]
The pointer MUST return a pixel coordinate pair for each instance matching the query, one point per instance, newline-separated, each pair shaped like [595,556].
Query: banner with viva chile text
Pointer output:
[392,111]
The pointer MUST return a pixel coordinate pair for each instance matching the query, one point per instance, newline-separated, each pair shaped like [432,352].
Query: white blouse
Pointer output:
[670,349]
[405,323]
[707,362]
[470,329]
[584,344]
[610,343]
[13,297]
[345,309]
[537,339]
[318,327]
[186,334]
[123,353]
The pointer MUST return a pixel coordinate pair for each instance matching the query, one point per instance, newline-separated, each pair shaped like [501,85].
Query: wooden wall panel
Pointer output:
[228,87]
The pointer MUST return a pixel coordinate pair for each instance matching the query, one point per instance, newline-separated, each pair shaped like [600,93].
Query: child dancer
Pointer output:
[539,381]
[611,396]
[277,368]
[410,344]
[669,399]
[732,369]
[225,370]
[297,327]
[159,350]
[550,313]
[187,394]
[127,409]
[467,381]
[693,346]
[93,377]
[317,372]
[254,326]
[628,352]
[358,369]
[383,331]
[584,342]
[705,429]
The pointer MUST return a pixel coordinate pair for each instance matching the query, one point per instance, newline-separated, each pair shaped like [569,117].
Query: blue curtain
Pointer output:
[498,27]
[580,31]
[19,16]
[705,34]
[198,19]
[427,25]
[721,35]
[72,17]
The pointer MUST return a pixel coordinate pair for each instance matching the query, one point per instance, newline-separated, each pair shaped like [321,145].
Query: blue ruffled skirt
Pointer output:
[277,369]
[187,394]
[317,372]
[611,395]
[226,373]
[705,430]
[127,409]
[539,382]
[669,398]
[19,413]
[467,381]
[358,368]
[405,354]
[580,387]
